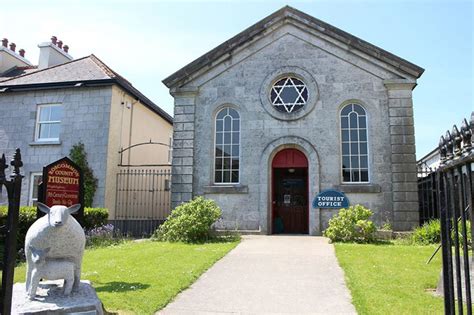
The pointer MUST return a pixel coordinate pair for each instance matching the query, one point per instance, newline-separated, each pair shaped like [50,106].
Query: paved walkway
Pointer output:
[269,275]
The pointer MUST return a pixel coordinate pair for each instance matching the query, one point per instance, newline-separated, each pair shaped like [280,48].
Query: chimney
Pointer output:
[9,58]
[52,53]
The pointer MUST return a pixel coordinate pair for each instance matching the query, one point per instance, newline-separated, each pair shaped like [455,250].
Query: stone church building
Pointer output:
[288,108]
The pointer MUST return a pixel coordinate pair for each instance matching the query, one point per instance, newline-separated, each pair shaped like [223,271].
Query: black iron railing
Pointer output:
[13,188]
[454,186]
[427,193]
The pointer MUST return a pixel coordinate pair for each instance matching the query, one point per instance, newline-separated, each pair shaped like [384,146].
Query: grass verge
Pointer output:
[142,277]
[391,279]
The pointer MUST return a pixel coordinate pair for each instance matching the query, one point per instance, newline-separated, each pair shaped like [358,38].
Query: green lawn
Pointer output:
[391,279]
[142,277]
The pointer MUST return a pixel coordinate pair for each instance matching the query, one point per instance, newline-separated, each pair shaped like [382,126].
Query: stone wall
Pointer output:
[402,138]
[85,118]
[334,77]
[183,145]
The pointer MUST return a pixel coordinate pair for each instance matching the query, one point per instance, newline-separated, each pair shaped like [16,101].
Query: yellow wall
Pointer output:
[131,123]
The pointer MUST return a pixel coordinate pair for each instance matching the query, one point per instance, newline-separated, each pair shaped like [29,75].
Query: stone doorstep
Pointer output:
[49,300]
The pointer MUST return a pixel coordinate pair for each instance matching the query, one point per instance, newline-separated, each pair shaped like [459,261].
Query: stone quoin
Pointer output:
[288,108]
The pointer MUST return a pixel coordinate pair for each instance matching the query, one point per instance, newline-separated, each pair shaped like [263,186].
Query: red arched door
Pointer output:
[290,204]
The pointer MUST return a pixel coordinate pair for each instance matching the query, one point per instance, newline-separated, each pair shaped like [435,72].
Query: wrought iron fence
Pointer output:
[427,193]
[9,231]
[454,183]
[143,200]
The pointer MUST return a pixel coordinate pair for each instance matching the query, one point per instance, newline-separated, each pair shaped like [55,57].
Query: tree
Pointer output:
[79,156]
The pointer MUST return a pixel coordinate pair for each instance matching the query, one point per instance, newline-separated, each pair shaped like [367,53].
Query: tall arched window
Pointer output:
[355,159]
[227,147]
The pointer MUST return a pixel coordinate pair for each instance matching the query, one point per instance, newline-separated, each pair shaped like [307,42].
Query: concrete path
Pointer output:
[270,275]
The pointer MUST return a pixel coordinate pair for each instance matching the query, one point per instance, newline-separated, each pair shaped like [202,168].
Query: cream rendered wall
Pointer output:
[131,123]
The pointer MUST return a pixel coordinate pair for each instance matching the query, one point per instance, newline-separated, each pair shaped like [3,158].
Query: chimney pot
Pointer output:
[5,42]
[22,52]
[66,48]
[54,39]
[60,44]
[12,46]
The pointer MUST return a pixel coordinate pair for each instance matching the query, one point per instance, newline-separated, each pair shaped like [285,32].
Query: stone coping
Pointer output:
[233,189]
[359,188]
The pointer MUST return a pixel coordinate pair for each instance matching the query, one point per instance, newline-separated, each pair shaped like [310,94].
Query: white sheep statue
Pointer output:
[50,269]
[59,231]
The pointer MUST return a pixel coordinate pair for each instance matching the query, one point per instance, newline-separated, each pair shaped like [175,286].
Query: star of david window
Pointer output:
[289,95]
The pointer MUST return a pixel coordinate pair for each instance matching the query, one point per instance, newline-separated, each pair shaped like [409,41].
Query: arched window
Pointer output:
[355,159]
[227,147]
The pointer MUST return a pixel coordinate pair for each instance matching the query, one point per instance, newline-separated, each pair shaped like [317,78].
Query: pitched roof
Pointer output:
[17,71]
[86,71]
[288,13]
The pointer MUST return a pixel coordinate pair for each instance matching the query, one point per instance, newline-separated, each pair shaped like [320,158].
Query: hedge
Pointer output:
[93,217]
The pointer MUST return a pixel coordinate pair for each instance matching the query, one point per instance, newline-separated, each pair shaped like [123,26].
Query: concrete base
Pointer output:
[50,300]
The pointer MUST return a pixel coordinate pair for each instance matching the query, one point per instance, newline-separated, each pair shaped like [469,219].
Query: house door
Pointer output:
[290,192]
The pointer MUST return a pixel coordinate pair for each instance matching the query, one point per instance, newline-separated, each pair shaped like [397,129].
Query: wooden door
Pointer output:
[290,192]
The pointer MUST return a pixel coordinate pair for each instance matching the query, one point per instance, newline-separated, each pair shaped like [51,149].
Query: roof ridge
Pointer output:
[59,65]
[108,71]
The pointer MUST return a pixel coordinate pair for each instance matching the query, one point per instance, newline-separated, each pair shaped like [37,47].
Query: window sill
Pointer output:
[54,142]
[359,188]
[235,189]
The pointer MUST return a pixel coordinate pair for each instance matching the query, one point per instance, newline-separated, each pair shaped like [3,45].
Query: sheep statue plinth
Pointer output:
[54,246]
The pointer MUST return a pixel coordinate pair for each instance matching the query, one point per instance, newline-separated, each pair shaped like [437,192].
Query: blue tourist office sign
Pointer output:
[331,199]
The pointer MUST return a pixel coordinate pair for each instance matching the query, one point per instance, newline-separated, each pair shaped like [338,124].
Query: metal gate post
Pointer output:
[13,187]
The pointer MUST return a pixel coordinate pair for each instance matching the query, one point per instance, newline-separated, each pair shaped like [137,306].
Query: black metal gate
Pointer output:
[143,200]
[454,180]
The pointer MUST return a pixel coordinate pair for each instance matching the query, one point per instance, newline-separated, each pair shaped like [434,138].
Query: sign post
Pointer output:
[331,199]
[63,184]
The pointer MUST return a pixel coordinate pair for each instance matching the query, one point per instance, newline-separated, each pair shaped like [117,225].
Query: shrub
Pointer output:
[190,222]
[93,217]
[428,233]
[102,236]
[351,225]
[78,155]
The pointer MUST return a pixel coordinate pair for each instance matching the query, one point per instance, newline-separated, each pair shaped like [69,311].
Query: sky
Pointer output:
[146,41]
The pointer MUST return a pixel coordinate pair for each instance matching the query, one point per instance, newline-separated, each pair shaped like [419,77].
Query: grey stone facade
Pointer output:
[335,76]
[86,113]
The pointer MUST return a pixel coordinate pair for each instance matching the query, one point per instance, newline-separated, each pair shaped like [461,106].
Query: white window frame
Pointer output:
[38,122]
[214,147]
[367,141]
[32,181]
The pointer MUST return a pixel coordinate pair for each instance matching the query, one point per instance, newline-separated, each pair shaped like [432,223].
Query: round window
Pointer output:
[289,95]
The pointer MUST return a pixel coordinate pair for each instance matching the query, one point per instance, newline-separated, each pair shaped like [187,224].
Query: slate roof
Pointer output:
[179,77]
[17,71]
[86,71]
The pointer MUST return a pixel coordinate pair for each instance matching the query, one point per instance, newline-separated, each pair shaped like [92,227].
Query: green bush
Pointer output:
[430,233]
[351,225]
[190,222]
[93,218]
[78,155]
